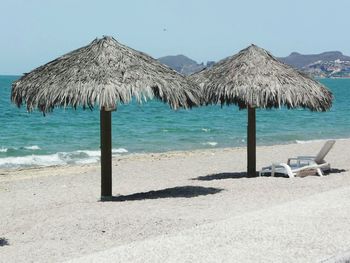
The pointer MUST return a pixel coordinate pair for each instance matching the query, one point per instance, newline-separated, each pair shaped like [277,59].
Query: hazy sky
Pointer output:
[34,32]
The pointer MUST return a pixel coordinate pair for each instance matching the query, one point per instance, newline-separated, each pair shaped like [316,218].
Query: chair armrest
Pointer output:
[285,166]
[292,159]
[306,157]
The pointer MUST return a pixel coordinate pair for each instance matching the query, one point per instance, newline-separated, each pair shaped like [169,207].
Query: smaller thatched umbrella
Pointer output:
[253,78]
[105,73]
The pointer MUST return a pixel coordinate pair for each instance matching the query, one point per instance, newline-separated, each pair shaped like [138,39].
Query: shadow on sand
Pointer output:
[336,171]
[3,242]
[175,192]
[239,175]
[221,176]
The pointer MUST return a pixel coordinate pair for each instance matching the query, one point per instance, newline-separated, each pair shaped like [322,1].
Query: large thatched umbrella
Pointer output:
[253,78]
[103,73]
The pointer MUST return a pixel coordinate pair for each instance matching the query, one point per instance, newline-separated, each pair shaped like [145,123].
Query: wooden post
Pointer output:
[106,154]
[251,143]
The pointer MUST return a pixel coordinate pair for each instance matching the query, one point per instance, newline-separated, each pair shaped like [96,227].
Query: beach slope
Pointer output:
[180,206]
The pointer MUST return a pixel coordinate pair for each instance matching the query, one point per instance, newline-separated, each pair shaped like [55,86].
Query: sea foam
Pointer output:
[210,143]
[3,150]
[33,147]
[119,150]
[98,153]
[31,160]
[60,158]
[310,141]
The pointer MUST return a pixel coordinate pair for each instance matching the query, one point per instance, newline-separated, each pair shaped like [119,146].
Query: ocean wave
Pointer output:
[31,160]
[60,158]
[310,141]
[206,129]
[33,147]
[210,143]
[3,150]
[92,153]
[119,150]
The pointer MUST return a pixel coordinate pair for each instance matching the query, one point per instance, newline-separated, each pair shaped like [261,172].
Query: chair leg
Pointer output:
[273,167]
[290,173]
[319,172]
[288,169]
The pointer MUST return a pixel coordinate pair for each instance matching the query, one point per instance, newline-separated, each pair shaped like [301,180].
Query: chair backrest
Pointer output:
[324,151]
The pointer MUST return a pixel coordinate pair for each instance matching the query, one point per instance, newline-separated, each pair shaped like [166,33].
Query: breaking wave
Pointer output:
[60,158]
[210,143]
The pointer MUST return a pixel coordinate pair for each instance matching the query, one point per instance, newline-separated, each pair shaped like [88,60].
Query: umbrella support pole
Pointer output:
[106,154]
[251,141]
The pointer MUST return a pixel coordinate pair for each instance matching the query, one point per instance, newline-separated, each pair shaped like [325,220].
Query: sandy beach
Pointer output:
[195,206]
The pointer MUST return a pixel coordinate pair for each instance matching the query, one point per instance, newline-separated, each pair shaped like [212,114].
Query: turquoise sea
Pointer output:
[69,136]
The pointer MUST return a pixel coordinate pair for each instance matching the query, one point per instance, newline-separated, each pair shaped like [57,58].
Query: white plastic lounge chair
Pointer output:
[302,164]
[318,159]
[292,171]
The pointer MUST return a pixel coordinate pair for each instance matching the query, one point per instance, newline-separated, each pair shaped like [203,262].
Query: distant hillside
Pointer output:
[327,64]
[183,64]
[299,61]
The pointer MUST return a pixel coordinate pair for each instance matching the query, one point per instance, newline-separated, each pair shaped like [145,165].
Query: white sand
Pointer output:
[53,214]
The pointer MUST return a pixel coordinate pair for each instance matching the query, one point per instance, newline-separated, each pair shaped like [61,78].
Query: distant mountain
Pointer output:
[183,64]
[298,60]
[327,64]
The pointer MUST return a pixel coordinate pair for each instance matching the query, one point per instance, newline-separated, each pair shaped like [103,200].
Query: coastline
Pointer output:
[132,156]
[30,172]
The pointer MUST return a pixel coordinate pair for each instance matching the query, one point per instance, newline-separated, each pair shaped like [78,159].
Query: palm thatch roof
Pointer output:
[256,78]
[105,73]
